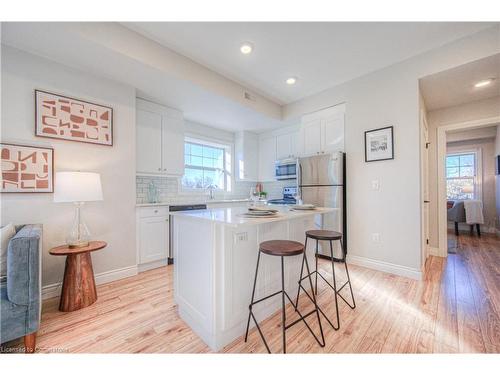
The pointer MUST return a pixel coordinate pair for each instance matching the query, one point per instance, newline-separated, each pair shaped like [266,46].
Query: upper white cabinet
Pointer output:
[267,157]
[286,145]
[160,139]
[323,131]
[247,156]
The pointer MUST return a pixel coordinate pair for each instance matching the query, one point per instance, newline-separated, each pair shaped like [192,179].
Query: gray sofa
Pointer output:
[456,213]
[20,294]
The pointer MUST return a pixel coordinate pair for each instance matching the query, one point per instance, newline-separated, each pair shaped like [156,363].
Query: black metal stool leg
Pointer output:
[322,344]
[300,279]
[335,287]
[283,314]
[316,270]
[353,306]
[253,296]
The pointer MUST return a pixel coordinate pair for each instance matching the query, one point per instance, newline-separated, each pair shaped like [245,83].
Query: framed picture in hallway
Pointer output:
[379,144]
[27,169]
[72,119]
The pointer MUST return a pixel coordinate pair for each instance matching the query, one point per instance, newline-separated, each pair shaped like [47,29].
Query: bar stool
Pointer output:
[283,249]
[330,236]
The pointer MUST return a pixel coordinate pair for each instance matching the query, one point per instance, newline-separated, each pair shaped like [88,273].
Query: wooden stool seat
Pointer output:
[282,248]
[324,235]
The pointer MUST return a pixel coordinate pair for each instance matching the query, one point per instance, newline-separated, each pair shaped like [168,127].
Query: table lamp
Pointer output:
[78,188]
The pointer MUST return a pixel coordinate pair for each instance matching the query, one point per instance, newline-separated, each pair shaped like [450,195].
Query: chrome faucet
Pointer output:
[211,191]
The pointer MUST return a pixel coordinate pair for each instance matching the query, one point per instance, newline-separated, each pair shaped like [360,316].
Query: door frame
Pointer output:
[441,161]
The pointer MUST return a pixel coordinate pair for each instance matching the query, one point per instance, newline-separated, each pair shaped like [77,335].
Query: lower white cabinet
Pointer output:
[152,235]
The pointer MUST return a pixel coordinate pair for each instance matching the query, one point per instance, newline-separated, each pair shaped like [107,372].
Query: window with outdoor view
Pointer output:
[206,165]
[461,176]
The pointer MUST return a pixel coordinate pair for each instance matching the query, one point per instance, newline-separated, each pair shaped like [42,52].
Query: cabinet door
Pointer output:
[148,133]
[294,144]
[153,232]
[333,133]
[172,145]
[283,146]
[312,137]
[267,158]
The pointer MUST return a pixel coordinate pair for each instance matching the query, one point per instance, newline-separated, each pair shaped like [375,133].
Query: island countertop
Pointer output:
[232,216]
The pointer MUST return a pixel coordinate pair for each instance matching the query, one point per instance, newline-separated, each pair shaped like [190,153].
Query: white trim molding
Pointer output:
[54,290]
[379,265]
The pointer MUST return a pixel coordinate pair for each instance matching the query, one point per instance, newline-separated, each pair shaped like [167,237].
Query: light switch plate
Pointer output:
[375,237]
[375,185]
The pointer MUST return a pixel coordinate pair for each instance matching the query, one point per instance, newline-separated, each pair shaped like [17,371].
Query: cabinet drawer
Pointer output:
[153,211]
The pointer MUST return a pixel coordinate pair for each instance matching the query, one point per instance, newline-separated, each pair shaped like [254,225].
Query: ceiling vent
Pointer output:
[250,97]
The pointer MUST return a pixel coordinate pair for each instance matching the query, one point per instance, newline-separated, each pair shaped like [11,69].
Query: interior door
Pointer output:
[425,188]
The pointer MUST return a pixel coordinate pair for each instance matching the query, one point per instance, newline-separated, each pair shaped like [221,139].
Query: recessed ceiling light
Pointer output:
[291,81]
[484,82]
[246,48]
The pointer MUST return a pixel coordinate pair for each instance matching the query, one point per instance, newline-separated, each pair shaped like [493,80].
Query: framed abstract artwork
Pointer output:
[379,144]
[71,119]
[27,169]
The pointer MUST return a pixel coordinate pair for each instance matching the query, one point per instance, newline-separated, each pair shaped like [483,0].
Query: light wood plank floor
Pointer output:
[456,308]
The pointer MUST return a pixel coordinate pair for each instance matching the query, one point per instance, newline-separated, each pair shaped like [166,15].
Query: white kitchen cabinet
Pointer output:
[247,156]
[152,236]
[148,142]
[323,131]
[160,139]
[267,157]
[286,145]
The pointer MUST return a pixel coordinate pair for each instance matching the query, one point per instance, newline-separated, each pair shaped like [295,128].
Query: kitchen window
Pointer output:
[206,164]
[461,176]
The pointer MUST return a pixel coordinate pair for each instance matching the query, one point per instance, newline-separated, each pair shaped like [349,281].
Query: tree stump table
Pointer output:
[78,290]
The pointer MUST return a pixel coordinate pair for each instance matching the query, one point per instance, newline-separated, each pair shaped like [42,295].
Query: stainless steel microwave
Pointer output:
[285,169]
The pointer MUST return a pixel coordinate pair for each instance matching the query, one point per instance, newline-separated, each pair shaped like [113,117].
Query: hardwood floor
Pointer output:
[456,308]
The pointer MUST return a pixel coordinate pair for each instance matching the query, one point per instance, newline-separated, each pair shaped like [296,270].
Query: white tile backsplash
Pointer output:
[169,190]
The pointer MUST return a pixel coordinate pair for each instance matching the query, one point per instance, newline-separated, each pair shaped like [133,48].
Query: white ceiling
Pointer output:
[456,86]
[321,55]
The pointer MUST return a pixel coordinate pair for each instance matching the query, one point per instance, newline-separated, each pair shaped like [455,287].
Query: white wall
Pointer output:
[497,177]
[481,109]
[487,147]
[390,97]
[113,219]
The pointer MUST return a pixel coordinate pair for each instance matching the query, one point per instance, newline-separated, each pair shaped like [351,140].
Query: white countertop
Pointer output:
[231,216]
[187,202]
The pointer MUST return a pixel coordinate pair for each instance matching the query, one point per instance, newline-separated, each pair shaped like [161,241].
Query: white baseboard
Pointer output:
[54,290]
[385,267]
[152,265]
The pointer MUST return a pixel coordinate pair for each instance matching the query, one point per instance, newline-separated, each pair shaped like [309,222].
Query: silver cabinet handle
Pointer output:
[159,169]
[156,211]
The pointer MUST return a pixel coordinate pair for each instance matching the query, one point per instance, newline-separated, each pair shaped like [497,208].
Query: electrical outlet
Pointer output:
[241,237]
[375,237]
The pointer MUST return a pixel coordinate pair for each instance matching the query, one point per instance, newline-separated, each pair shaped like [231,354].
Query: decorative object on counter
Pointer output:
[71,119]
[153,194]
[263,195]
[27,169]
[78,187]
[78,289]
[303,207]
[379,144]
[262,211]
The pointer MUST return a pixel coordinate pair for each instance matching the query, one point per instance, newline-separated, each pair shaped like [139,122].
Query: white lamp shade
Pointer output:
[77,187]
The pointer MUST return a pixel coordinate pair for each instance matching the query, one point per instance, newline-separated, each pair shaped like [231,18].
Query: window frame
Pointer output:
[477,178]
[227,164]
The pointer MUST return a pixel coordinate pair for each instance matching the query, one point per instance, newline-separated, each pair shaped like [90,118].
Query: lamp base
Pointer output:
[79,235]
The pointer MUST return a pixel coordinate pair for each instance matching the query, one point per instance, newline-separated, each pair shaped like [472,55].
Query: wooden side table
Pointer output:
[78,290]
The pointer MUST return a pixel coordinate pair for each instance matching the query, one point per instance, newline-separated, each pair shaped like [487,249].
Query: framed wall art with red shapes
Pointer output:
[26,169]
[71,119]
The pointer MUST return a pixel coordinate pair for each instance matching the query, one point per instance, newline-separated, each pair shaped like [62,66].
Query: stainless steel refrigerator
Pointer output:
[321,181]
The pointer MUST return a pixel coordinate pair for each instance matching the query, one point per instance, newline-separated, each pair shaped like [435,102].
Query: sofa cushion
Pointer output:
[6,234]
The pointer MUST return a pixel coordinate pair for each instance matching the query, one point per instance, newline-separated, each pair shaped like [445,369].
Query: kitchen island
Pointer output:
[215,254]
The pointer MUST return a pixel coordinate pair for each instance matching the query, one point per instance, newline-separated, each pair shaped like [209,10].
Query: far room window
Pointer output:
[461,175]
[206,164]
